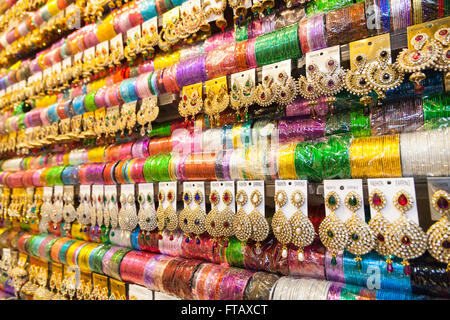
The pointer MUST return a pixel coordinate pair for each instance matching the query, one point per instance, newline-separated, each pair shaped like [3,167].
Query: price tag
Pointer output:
[275,69]
[429,28]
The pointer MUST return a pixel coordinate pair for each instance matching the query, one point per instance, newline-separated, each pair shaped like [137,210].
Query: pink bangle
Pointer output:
[142,88]
[100,98]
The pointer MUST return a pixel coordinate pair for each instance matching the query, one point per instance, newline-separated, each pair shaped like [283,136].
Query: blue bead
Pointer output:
[196,221]
[185,221]
[198,241]
[187,240]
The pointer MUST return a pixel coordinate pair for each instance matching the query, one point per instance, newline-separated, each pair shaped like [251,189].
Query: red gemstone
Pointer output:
[406,240]
[213,224]
[283,94]
[226,197]
[407,270]
[160,196]
[442,203]
[160,237]
[171,237]
[419,37]
[448,54]
[443,32]
[225,244]
[416,56]
[390,268]
[380,237]
[185,98]
[226,225]
[330,83]
[263,95]
[310,88]
[99,198]
[169,196]
[214,198]
[402,200]
[376,199]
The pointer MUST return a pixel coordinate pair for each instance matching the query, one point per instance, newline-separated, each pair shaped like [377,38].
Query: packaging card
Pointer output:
[436,184]
[342,187]
[221,187]
[291,186]
[369,47]
[147,189]
[249,187]
[194,187]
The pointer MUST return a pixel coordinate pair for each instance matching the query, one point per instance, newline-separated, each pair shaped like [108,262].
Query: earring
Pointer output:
[302,228]
[93,210]
[280,224]
[423,56]
[225,218]
[183,107]
[146,215]
[265,92]
[356,82]
[220,103]
[84,213]
[383,75]
[212,227]
[332,230]
[239,10]
[439,232]
[379,223]
[221,23]
[260,226]
[183,217]
[405,238]
[208,105]
[105,213]
[197,218]
[242,227]
[308,87]
[69,212]
[170,214]
[122,212]
[443,62]
[56,212]
[361,238]
[331,82]
[287,90]
[113,212]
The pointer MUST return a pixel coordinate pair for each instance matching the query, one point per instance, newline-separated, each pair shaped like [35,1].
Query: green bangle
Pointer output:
[89,101]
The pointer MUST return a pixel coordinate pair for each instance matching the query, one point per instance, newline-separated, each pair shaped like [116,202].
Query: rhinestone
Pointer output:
[442,203]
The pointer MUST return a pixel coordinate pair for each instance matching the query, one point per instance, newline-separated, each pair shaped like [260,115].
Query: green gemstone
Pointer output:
[358,265]
[333,261]
[234,87]
[140,198]
[147,237]
[330,234]
[353,201]
[167,220]
[149,198]
[355,237]
[332,200]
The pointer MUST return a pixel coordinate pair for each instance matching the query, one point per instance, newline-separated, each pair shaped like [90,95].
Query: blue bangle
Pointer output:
[52,113]
[148,9]
[78,105]
[135,239]
[385,16]
[128,91]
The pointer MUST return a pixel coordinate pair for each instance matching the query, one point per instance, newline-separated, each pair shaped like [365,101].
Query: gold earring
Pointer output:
[170,214]
[287,90]
[197,218]
[212,227]
[208,105]
[405,238]
[361,238]
[183,217]
[225,218]
[303,232]
[160,218]
[260,226]
[379,223]
[265,92]
[280,224]
[383,75]
[356,82]
[439,232]
[443,62]
[242,226]
[332,230]
[331,82]
[147,215]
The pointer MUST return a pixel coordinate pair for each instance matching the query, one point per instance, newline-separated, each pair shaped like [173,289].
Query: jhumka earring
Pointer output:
[331,82]
[303,232]
[308,87]
[211,224]
[147,214]
[383,75]
[439,233]
[195,104]
[225,218]
[266,92]
[405,238]
[280,224]
[242,226]
[198,216]
[260,226]
[361,238]
[379,223]
[170,214]
[332,230]
[287,89]
[239,10]
[356,82]
[183,217]
[423,56]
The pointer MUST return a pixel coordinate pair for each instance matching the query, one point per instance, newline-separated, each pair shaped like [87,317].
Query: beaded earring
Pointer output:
[331,82]
[266,92]
[302,228]
[260,226]
[242,227]
[160,218]
[170,214]
[83,213]
[361,238]
[443,61]
[147,214]
[183,217]
[383,75]
[356,82]
[113,212]
[332,231]
[287,89]
[93,210]
[211,224]
[56,212]
[198,217]
[379,223]
[405,238]
[225,218]
[423,56]
[439,232]
[280,224]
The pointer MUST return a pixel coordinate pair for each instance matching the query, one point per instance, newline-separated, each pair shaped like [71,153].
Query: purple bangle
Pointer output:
[300,107]
[226,165]
[234,283]
[107,257]
[191,71]
[140,148]
[316,33]
[334,292]
[100,98]
[153,271]
[334,272]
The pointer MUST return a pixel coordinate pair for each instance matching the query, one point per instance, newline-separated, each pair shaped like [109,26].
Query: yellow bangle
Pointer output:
[71,251]
[97,154]
[105,30]
[53,8]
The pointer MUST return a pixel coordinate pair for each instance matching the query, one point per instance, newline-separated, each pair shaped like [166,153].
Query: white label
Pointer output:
[56,68]
[321,57]
[111,190]
[97,195]
[58,196]
[67,63]
[291,186]
[78,57]
[342,187]
[162,296]
[146,189]
[147,25]
[134,32]
[275,69]
[6,254]
[89,54]
[104,46]
[215,5]
[221,187]
[48,192]
[242,77]
[389,187]
[116,43]
[85,190]
[249,187]
[165,187]
[136,292]
[194,187]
